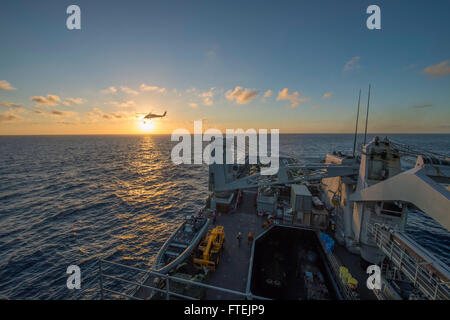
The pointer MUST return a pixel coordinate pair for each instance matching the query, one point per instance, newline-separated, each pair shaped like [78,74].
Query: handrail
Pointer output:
[350,295]
[414,269]
[122,294]
[167,278]
[415,151]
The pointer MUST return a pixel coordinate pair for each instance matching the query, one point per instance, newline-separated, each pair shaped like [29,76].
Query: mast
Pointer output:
[356,129]
[367,115]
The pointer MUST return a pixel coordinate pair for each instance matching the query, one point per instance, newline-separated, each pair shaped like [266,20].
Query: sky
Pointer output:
[296,66]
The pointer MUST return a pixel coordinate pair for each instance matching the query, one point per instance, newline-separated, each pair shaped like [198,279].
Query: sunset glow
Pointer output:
[146,126]
[252,71]
[137,137]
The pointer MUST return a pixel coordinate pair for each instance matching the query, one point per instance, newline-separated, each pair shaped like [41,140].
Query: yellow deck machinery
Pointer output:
[209,249]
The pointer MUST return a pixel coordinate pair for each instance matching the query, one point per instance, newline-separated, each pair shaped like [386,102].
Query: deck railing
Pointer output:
[167,291]
[348,293]
[431,285]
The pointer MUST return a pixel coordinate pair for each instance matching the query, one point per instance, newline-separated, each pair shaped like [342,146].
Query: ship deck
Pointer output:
[232,270]
[352,263]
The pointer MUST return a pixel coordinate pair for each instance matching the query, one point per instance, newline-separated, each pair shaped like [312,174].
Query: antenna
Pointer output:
[357,118]
[367,115]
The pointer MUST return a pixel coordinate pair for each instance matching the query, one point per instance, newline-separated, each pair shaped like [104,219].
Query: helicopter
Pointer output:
[151,115]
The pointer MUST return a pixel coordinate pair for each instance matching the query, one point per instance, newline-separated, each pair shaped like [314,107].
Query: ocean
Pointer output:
[73,199]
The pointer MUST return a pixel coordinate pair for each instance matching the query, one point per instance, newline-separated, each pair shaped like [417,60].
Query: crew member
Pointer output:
[239,237]
[251,235]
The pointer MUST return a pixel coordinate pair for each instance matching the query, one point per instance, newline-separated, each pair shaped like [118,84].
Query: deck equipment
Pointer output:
[210,249]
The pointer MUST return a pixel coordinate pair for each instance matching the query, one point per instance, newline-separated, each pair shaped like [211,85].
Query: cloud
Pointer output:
[74,101]
[426,105]
[129,91]
[438,70]
[104,115]
[8,117]
[57,112]
[327,95]
[208,93]
[126,104]
[124,115]
[268,94]
[51,100]
[193,105]
[109,90]
[101,114]
[65,123]
[60,113]
[208,101]
[145,87]
[10,105]
[11,115]
[111,116]
[294,98]
[207,97]
[190,90]
[5,85]
[352,64]
[241,95]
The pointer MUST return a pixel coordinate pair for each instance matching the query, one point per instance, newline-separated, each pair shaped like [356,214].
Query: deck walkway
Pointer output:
[232,270]
[352,263]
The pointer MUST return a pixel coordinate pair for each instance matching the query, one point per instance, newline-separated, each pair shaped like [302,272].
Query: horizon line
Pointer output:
[168,134]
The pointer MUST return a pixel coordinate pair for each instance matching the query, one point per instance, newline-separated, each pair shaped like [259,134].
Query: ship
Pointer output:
[310,232]
[334,230]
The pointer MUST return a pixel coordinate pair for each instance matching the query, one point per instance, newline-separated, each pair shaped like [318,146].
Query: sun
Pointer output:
[146,126]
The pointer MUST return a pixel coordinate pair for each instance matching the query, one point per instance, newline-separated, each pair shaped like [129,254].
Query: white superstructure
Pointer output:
[363,193]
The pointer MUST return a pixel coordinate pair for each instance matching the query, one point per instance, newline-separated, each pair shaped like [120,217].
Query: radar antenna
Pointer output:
[357,118]
[367,116]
